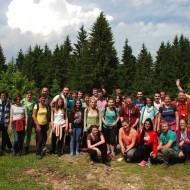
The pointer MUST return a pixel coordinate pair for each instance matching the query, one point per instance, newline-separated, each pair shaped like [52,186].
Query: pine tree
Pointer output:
[19,60]
[103,55]
[2,60]
[144,72]
[127,69]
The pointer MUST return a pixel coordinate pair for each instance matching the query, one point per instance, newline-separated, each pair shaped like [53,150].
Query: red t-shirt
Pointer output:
[183,108]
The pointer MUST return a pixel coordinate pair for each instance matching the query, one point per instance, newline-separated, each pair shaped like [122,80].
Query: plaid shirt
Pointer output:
[6,113]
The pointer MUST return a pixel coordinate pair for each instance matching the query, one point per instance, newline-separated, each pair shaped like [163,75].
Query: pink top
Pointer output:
[101,104]
[127,138]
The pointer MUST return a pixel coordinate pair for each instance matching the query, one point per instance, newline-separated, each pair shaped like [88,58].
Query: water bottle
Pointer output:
[149,163]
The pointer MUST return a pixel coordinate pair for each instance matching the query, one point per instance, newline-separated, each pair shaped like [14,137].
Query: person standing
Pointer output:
[18,124]
[139,102]
[29,103]
[130,113]
[41,119]
[4,120]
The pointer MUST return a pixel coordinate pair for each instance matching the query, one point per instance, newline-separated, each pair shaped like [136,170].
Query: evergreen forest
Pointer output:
[92,62]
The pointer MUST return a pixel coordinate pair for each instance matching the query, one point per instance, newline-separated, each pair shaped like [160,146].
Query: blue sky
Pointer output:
[29,22]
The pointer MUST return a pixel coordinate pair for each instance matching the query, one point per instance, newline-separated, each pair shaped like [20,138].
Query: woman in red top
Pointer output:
[147,143]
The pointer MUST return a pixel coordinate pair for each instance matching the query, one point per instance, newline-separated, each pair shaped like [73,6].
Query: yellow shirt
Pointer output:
[41,115]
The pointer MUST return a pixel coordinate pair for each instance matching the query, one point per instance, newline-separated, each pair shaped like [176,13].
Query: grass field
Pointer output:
[51,172]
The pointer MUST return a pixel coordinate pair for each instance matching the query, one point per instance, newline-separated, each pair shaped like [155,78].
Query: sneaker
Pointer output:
[71,154]
[84,149]
[108,153]
[120,159]
[77,153]
[107,163]
[59,154]
[91,161]
[14,153]
[113,155]
[142,163]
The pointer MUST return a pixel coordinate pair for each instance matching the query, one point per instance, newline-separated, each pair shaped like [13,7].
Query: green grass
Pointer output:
[25,172]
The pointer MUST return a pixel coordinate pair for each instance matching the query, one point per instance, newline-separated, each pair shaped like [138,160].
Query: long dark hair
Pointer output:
[120,101]
[143,130]
[75,107]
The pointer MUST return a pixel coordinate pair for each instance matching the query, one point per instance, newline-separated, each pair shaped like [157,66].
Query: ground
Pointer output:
[76,173]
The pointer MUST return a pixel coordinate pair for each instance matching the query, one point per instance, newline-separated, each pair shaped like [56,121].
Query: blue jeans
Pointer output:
[18,139]
[75,138]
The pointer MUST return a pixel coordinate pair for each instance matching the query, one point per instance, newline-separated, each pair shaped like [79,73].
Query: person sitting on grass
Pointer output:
[127,140]
[147,143]
[96,145]
[168,146]
[183,137]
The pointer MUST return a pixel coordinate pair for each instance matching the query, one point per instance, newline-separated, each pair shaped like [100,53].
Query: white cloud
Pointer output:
[46,16]
[149,33]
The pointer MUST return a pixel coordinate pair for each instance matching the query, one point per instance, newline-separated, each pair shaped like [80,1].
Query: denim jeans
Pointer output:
[75,138]
[18,139]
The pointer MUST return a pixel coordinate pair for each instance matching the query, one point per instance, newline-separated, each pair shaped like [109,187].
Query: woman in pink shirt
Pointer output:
[127,140]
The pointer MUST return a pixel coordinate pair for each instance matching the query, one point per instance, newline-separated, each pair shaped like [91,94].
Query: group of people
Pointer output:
[151,129]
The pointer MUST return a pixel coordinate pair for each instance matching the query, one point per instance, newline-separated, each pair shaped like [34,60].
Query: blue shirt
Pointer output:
[138,103]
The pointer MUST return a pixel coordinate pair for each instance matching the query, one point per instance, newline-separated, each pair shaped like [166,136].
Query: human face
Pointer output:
[139,95]
[165,127]
[18,101]
[100,95]
[93,104]
[157,97]
[118,91]
[149,102]
[147,125]
[125,125]
[3,97]
[181,96]
[162,95]
[60,103]
[80,95]
[167,100]
[42,100]
[65,91]
[95,93]
[128,102]
[110,103]
[182,124]
[86,99]
[74,95]
[45,91]
[28,96]
[117,99]
[123,98]
[95,131]
[78,104]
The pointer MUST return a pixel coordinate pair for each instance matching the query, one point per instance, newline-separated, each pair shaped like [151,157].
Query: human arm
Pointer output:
[89,145]
[177,120]
[121,142]
[118,118]
[11,119]
[158,122]
[136,123]
[26,118]
[129,147]
[102,141]
[181,89]
[100,121]
[34,116]
[103,118]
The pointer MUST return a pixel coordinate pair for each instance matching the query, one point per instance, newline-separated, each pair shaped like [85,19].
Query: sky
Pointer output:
[30,22]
